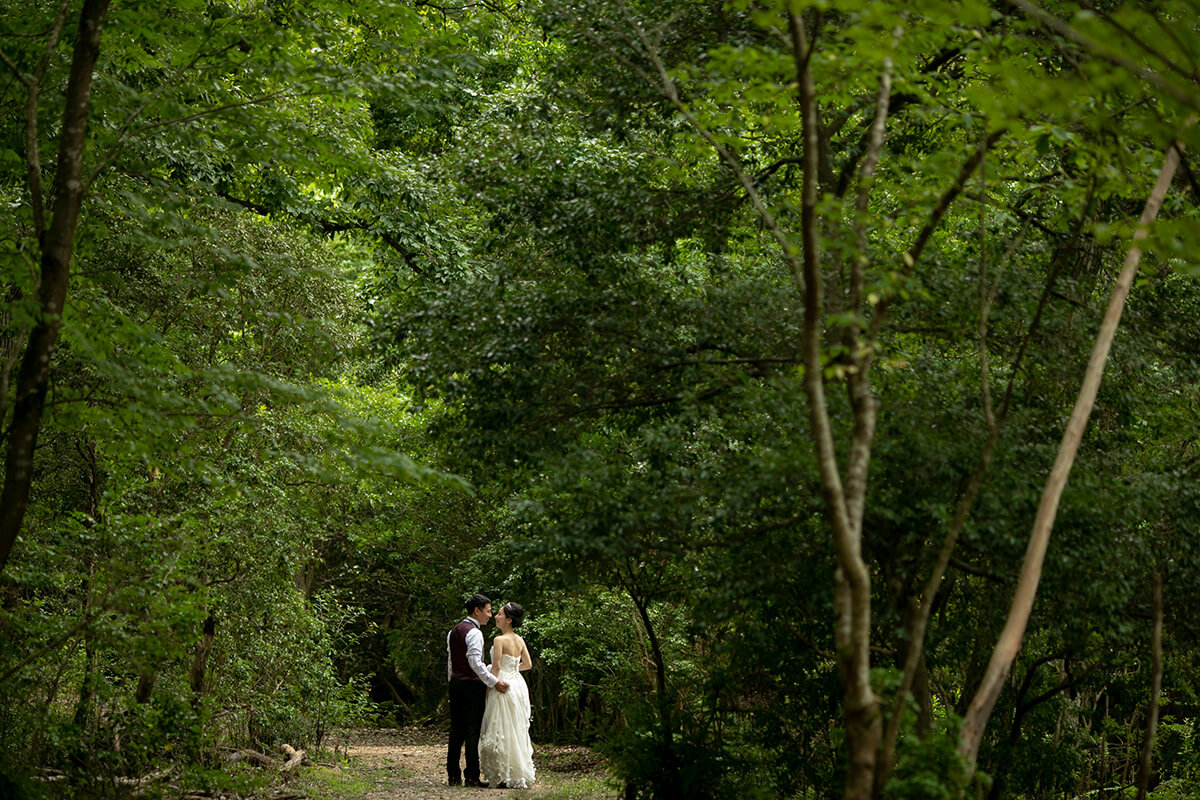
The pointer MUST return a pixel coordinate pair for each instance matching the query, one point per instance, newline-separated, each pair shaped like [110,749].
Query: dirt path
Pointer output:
[409,763]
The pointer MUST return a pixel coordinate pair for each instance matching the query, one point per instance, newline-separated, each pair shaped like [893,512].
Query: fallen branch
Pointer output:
[140,786]
[252,756]
[295,758]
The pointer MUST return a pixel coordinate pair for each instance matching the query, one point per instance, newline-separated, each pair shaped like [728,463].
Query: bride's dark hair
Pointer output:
[515,613]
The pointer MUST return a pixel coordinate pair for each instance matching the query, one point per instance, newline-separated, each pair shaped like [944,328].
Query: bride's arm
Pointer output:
[526,661]
[494,667]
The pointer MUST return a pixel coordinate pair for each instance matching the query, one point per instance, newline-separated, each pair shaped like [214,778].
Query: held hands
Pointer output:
[501,687]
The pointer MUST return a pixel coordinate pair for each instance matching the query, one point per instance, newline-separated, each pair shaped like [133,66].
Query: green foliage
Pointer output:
[377,305]
[666,454]
[163,588]
[930,767]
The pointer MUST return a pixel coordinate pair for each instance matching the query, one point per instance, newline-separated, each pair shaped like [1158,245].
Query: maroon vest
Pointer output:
[460,670]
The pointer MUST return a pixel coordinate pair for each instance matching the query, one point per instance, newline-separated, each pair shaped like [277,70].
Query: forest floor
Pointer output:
[409,764]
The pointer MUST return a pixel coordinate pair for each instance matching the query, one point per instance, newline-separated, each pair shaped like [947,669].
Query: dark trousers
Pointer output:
[467,700]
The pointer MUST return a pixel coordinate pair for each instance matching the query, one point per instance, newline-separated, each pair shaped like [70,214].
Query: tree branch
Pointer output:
[920,618]
[118,148]
[1101,51]
[329,226]
[666,85]
[862,399]
[1153,52]
[53,645]
[970,569]
[913,255]
[975,720]
[33,158]
[15,70]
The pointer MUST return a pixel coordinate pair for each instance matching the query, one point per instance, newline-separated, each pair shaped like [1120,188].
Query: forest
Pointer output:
[822,377]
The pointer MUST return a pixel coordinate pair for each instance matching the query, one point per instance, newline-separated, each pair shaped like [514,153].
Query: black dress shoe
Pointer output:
[478,784]
[501,785]
[454,781]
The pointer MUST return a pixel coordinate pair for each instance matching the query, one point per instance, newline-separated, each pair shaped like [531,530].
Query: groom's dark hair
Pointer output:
[477,601]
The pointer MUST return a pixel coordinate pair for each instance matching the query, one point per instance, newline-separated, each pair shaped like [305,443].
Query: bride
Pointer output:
[505,752]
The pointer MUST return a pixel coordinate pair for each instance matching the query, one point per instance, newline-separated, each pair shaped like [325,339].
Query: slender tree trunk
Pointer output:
[145,686]
[1011,636]
[1156,670]
[852,626]
[200,658]
[87,689]
[57,244]
[918,619]
[90,662]
[668,779]
[923,694]
[91,666]
[11,342]
[920,689]
[35,748]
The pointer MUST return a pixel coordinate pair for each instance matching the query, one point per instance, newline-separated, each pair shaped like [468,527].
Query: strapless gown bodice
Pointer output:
[510,667]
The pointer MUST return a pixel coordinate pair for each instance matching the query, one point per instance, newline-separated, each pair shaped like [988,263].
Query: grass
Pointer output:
[347,779]
[571,787]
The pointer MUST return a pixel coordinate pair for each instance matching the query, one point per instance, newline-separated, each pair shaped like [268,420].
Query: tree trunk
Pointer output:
[87,689]
[57,244]
[11,342]
[145,686]
[35,748]
[1011,636]
[200,658]
[1156,670]
[668,786]
[90,662]
[852,625]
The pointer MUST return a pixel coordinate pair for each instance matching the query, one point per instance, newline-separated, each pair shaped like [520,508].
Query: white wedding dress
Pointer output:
[505,752]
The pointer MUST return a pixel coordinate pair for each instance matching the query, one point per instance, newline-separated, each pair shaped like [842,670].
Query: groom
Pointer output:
[469,680]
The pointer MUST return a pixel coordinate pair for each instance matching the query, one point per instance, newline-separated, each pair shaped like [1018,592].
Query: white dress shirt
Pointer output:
[474,655]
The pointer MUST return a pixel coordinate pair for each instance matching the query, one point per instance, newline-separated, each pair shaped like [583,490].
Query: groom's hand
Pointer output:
[501,687]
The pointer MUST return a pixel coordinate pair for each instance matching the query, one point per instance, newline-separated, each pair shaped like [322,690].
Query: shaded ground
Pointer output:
[408,763]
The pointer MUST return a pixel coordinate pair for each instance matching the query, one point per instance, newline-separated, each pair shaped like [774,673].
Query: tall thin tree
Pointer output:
[1009,642]
[57,243]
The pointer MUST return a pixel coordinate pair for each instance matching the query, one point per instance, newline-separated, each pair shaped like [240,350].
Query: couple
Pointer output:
[489,708]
